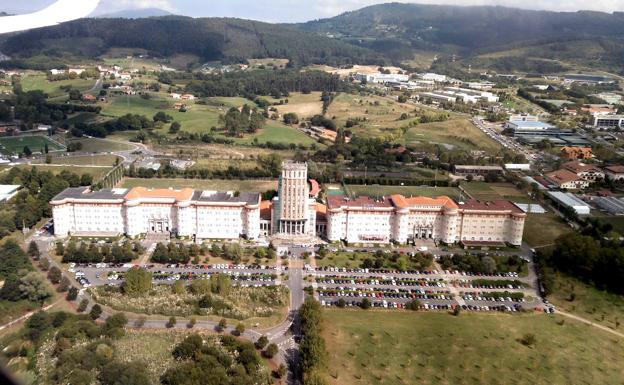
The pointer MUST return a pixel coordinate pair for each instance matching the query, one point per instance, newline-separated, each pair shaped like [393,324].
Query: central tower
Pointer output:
[292,206]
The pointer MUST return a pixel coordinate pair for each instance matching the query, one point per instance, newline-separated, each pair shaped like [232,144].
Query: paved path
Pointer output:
[27,315]
[591,323]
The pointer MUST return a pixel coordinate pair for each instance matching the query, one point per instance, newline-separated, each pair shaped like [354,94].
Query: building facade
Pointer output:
[186,212]
[294,211]
[293,214]
[403,220]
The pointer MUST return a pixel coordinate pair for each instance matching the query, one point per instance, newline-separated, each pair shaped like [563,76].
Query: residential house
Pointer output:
[574,152]
[614,173]
[566,180]
[584,171]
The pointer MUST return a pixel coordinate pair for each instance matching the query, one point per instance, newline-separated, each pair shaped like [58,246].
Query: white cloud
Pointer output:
[59,12]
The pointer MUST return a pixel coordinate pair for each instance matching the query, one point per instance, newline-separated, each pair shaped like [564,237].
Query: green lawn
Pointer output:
[38,81]
[378,190]
[95,145]
[396,347]
[16,144]
[96,172]
[355,260]
[495,191]
[543,229]
[577,297]
[87,160]
[203,184]
[201,118]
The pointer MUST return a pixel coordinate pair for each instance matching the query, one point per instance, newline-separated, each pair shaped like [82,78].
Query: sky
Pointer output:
[301,10]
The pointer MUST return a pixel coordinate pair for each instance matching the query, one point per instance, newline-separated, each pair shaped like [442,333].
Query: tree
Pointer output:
[281,371]
[27,151]
[489,264]
[262,342]
[271,351]
[121,373]
[72,294]
[528,339]
[222,325]
[160,116]
[240,329]
[457,310]
[33,287]
[191,323]
[96,312]
[175,127]
[137,282]
[64,285]
[55,275]
[291,118]
[82,306]
[365,304]
[171,323]
[33,250]
[44,264]
[413,305]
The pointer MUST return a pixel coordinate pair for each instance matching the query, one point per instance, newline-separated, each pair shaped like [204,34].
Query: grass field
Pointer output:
[304,105]
[201,118]
[458,133]
[577,297]
[96,172]
[377,190]
[495,191]
[87,160]
[543,229]
[16,144]
[203,184]
[37,81]
[385,347]
[95,145]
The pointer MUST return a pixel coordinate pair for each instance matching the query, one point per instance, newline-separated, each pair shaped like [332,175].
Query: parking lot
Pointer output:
[434,290]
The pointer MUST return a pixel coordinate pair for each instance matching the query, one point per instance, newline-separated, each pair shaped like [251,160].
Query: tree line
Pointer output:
[312,348]
[95,253]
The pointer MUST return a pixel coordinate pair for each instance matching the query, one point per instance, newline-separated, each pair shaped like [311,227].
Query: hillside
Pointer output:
[223,39]
[399,30]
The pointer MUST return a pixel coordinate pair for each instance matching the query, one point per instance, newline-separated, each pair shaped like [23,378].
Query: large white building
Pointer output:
[294,214]
[186,212]
[380,78]
[400,219]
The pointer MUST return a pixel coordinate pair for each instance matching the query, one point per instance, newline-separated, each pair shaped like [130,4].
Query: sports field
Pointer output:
[399,347]
[203,184]
[377,191]
[15,144]
[495,191]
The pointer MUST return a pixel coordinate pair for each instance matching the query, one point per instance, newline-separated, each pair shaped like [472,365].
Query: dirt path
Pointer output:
[588,322]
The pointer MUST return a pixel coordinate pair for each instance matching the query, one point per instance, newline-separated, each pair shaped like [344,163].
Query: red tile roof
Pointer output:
[314,188]
[265,210]
[142,192]
[498,205]
[560,177]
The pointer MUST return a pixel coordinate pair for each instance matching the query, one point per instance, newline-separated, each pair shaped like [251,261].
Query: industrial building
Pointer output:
[570,201]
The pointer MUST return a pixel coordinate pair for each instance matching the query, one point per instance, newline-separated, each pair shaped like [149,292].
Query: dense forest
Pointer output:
[401,30]
[277,83]
[228,40]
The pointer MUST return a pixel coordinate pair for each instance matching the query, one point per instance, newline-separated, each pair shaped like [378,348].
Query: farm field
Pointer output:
[378,190]
[38,81]
[391,347]
[16,144]
[577,297]
[543,229]
[203,184]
